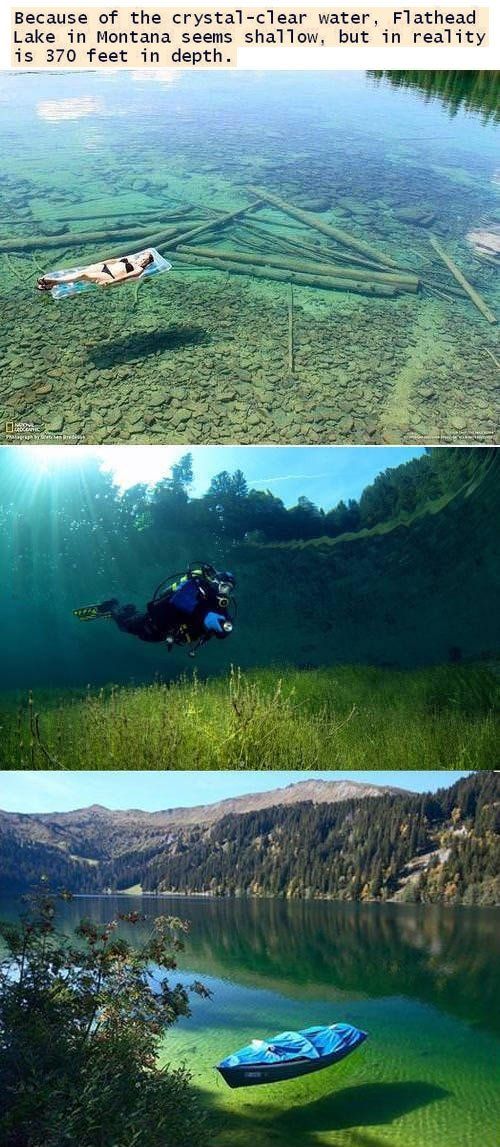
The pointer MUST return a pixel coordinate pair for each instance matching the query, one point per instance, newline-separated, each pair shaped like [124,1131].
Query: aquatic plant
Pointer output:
[342,717]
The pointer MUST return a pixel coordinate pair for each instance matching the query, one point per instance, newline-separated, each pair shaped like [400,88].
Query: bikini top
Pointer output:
[128,267]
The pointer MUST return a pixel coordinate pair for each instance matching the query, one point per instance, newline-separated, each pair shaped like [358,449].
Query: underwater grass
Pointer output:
[343,717]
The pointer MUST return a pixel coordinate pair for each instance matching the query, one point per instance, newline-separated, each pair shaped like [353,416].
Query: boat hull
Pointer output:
[251,1075]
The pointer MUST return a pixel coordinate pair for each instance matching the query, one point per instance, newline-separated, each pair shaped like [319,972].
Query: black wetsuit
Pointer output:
[179,614]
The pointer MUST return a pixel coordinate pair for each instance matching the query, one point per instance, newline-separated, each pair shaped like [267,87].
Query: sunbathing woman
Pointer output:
[107,274]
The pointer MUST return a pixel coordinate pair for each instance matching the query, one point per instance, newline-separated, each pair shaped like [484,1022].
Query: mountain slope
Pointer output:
[103,831]
[312,839]
[441,847]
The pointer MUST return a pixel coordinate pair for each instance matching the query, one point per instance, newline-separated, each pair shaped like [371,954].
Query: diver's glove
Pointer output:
[214,623]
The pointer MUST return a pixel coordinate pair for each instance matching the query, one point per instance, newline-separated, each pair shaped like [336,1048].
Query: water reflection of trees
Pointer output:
[439,956]
[69,537]
[470,91]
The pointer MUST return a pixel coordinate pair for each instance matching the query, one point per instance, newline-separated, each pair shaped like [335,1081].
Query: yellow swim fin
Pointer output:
[90,613]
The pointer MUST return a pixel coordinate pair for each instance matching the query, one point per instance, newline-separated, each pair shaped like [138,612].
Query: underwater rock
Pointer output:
[352,206]
[55,424]
[111,417]
[138,427]
[53,228]
[485,243]
[312,203]
[179,416]
[134,417]
[418,216]
[281,419]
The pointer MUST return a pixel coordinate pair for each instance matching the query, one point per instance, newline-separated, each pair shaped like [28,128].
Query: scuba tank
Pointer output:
[224,600]
[169,584]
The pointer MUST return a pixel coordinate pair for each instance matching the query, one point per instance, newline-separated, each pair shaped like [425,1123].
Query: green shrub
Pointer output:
[80,1020]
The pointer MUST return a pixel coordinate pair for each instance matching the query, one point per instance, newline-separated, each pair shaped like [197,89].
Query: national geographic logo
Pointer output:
[19,432]
[14,428]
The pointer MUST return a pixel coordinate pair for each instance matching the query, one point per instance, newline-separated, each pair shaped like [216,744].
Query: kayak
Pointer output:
[289,1055]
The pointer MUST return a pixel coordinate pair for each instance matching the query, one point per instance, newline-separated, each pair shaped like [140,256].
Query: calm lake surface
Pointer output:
[199,355]
[420,980]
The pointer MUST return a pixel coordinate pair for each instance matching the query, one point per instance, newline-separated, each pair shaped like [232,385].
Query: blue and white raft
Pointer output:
[66,290]
[289,1055]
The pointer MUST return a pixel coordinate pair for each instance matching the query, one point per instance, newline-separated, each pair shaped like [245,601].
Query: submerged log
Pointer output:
[460,278]
[325,282]
[286,223]
[288,245]
[290,330]
[403,282]
[318,250]
[212,225]
[72,239]
[133,219]
[342,237]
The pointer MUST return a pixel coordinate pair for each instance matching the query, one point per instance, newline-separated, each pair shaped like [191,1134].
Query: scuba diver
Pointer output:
[190,610]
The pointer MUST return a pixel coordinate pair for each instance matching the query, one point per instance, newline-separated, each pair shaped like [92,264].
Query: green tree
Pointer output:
[182,473]
[80,1021]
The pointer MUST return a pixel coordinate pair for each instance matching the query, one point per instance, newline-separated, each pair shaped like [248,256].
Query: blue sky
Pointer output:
[325,474]
[59,792]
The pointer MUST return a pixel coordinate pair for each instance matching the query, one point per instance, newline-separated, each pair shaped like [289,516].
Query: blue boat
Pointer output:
[289,1055]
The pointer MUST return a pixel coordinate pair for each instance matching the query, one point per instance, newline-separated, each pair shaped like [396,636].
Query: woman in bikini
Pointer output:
[107,274]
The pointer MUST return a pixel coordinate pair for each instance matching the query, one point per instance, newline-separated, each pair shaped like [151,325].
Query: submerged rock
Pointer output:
[52,228]
[418,216]
[485,243]
[158,398]
[313,203]
[55,424]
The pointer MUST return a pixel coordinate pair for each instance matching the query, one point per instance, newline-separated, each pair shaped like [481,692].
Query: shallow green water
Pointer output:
[199,355]
[420,980]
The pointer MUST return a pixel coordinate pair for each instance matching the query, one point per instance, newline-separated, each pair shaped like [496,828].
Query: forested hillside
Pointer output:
[432,848]
[230,509]
[405,577]
[440,847]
